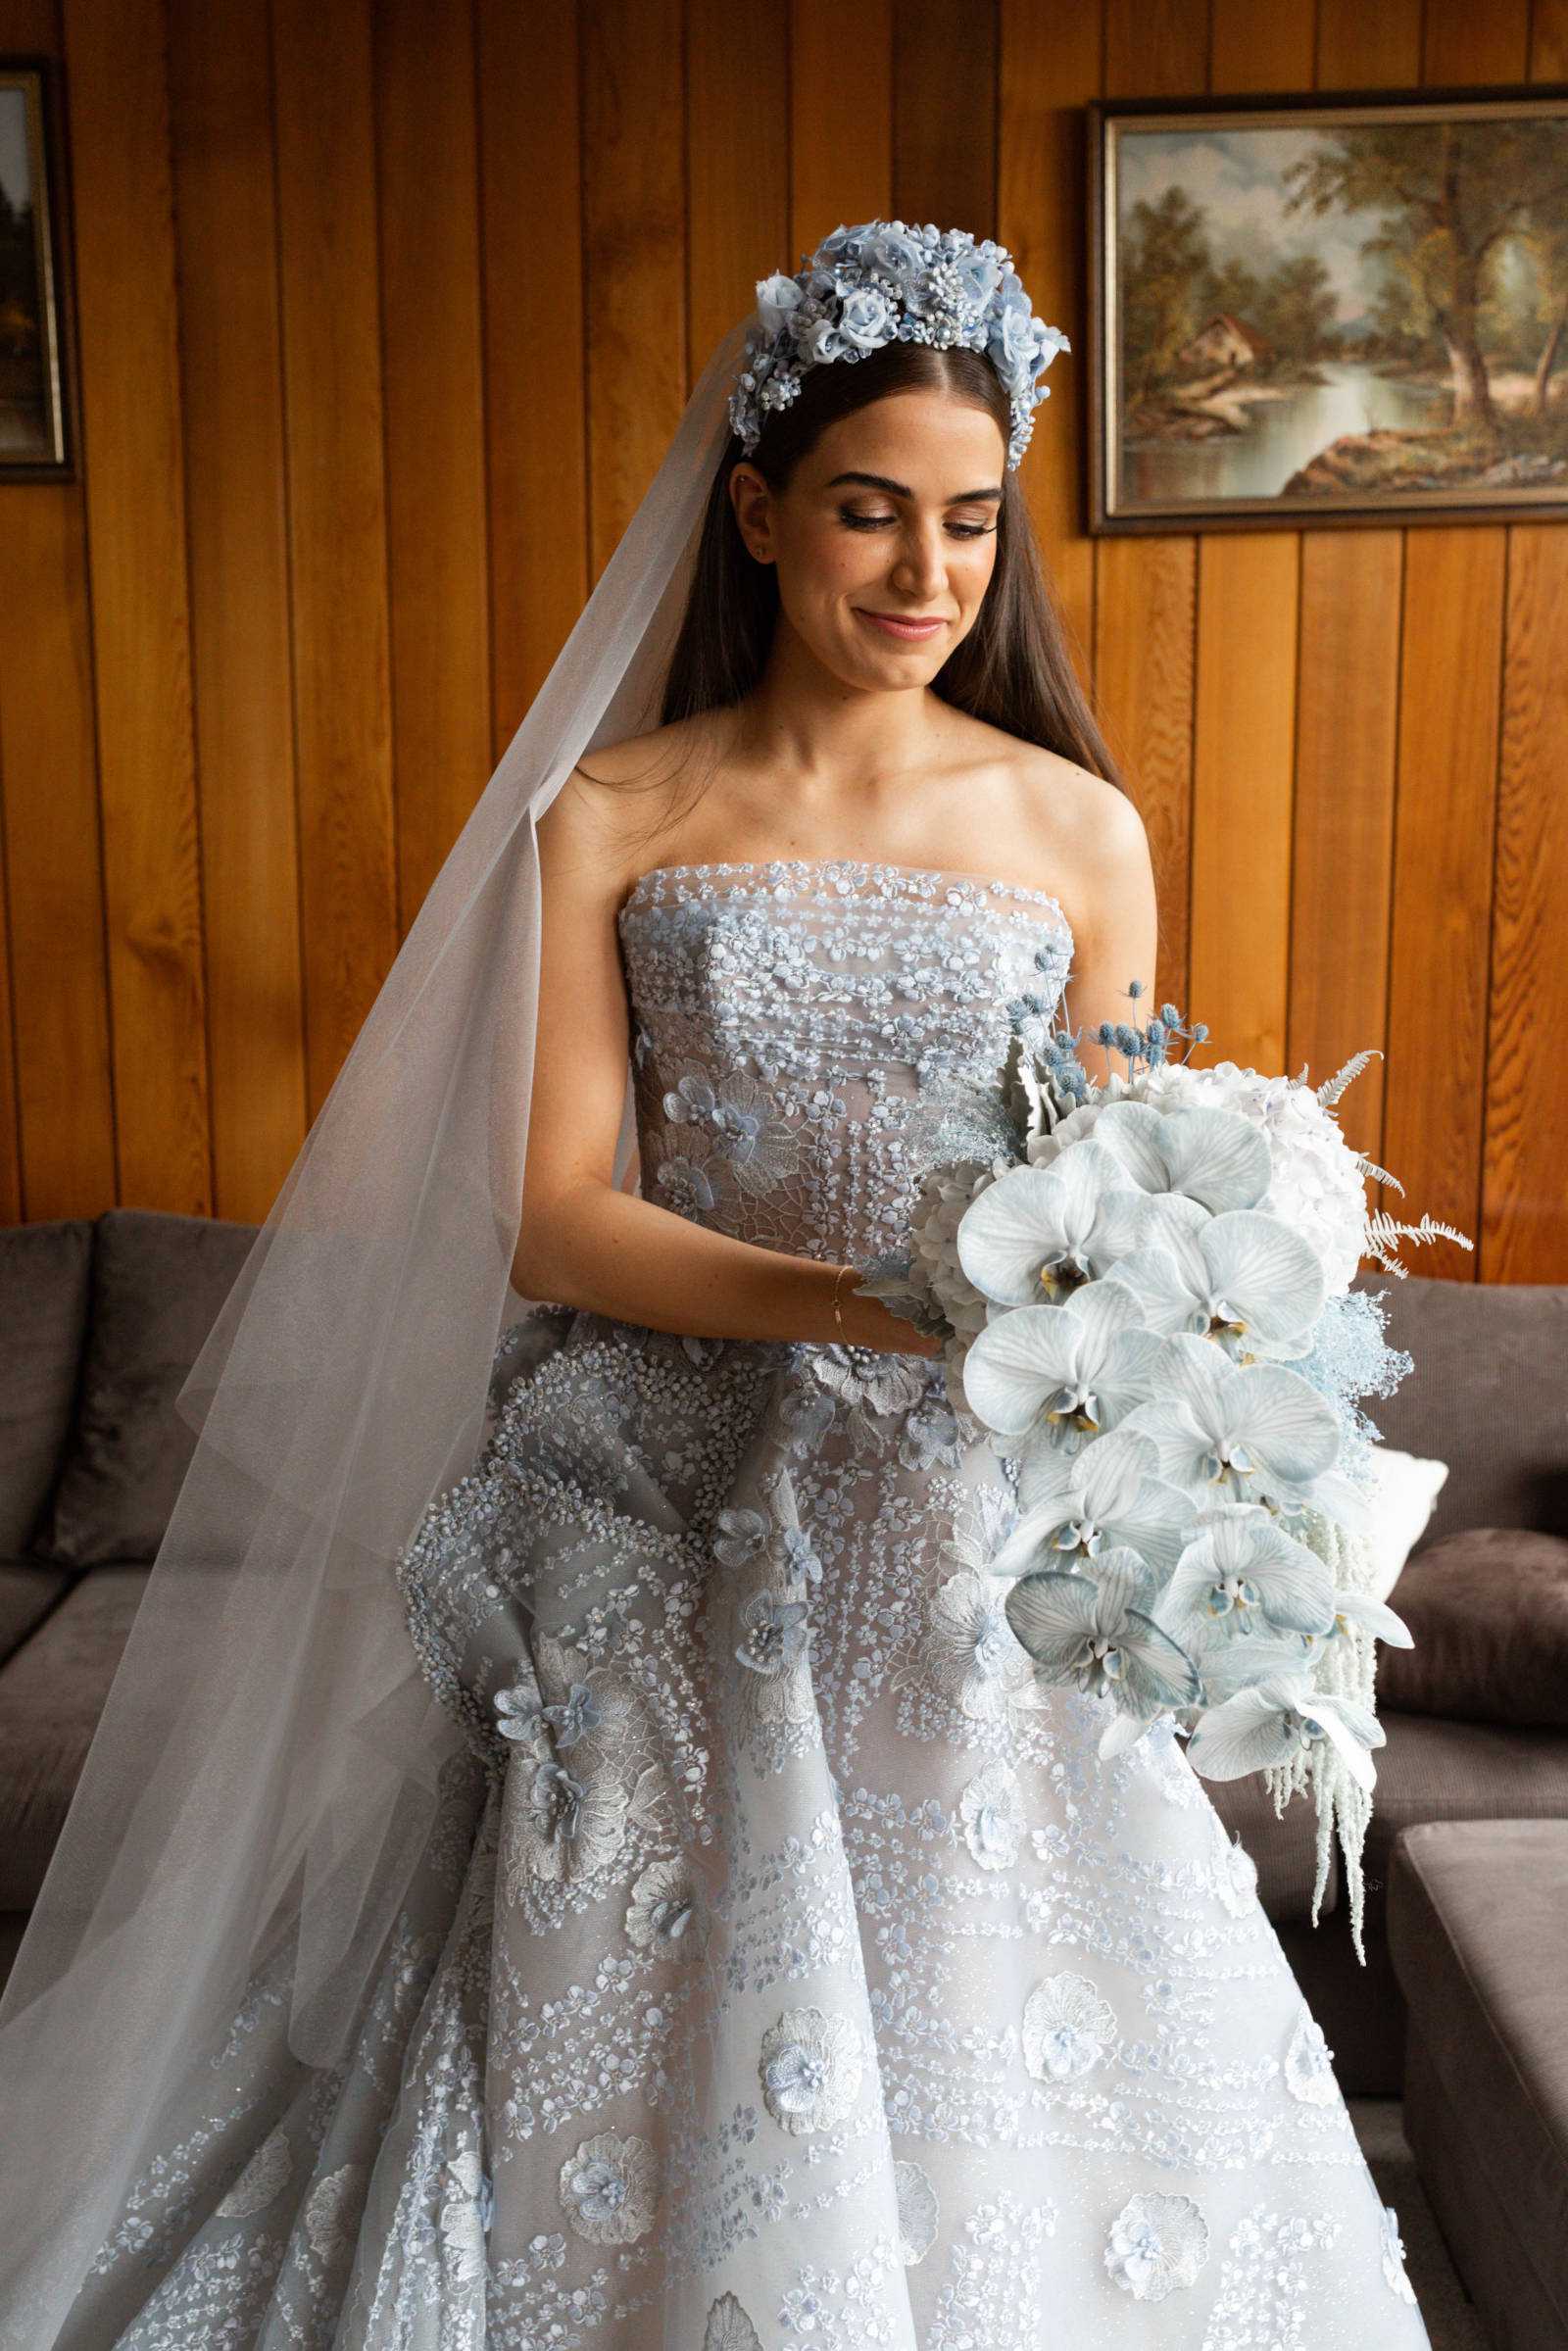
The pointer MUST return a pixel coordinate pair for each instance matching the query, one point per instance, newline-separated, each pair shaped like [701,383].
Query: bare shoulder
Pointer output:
[616,795]
[1078,823]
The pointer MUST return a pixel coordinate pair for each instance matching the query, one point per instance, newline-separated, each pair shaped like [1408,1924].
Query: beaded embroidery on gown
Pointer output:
[784,1969]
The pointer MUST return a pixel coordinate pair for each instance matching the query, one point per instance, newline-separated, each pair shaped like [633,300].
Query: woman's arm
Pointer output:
[585,1243]
[1114,926]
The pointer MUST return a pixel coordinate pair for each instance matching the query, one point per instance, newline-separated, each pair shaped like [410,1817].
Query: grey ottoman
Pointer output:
[1478,1930]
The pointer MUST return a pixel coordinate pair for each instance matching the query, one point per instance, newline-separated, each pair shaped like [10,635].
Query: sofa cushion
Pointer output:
[45,1271]
[158,1283]
[1486,1396]
[1488,1613]
[52,1693]
[1478,1915]
[1433,1769]
[1429,1770]
[28,1593]
[1404,1494]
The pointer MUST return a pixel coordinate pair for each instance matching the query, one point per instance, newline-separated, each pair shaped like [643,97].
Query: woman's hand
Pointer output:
[869,1322]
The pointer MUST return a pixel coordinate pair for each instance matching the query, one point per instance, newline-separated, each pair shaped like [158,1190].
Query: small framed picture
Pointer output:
[37,439]
[1328,310]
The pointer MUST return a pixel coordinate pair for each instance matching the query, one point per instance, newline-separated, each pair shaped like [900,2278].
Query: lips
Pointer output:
[914,632]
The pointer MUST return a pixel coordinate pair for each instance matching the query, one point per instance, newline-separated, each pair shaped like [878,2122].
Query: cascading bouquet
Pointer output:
[1145,1299]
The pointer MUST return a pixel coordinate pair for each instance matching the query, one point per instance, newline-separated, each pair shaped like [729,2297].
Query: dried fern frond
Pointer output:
[1332,1088]
[1378,1175]
[1383,1234]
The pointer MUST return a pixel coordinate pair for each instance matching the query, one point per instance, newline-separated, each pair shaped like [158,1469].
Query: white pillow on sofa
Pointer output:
[1403,1501]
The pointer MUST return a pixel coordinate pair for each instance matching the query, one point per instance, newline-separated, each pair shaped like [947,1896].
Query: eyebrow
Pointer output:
[900,489]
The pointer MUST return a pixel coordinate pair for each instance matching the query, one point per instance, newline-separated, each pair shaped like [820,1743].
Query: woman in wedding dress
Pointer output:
[781,1966]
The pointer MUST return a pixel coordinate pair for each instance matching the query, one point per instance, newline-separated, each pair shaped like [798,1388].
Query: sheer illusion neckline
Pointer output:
[851,869]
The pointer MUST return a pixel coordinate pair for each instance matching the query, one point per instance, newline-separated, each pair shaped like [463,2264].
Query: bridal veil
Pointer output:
[263,1775]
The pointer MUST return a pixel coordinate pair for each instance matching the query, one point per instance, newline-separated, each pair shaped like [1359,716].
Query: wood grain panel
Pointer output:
[1348,714]
[1524,1233]
[531,175]
[1548,40]
[233,365]
[1442,898]
[1146,597]
[53,988]
[1048,68]
[56,1113]
[433,370]
[737,165]
[634,211]
[1248,612]
[337,518]
[11,1195]
[135,504]
[1524,1198]
[1244,736]
[841,125]
[945,115]
[1433,1094]
[1146,589]
[1346,727]
[360,436]
[1368,48]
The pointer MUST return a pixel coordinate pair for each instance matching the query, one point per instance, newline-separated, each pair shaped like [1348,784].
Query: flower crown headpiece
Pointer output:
[886,282]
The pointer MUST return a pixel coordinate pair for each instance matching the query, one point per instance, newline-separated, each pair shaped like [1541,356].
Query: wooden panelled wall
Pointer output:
[387,311]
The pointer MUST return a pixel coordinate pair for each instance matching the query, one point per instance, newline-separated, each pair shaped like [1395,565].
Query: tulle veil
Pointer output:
[263,1775]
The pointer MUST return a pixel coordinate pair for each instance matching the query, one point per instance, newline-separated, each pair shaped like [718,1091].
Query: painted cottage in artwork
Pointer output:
[1225,342]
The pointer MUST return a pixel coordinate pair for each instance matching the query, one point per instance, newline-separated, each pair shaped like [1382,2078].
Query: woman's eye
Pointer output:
[960,530]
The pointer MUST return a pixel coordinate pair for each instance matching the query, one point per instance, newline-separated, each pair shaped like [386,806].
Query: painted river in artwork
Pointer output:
[1283,434]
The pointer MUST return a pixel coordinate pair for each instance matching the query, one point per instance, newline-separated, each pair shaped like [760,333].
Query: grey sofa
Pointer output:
[103,1318]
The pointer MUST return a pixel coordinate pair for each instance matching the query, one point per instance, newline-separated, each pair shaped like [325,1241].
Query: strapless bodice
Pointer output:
[811,1034]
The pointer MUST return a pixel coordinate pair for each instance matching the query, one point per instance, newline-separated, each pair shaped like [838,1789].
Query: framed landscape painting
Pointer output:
[35,421]
[1338,310]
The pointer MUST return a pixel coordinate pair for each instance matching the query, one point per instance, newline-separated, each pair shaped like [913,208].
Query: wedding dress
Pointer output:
[782,1969]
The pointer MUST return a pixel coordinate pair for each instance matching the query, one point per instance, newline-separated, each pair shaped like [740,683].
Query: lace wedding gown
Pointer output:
[784,1972]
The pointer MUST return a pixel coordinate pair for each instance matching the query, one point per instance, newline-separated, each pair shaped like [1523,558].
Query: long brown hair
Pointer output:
[1013,669]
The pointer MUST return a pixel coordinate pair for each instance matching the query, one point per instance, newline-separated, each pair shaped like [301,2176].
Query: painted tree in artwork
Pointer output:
[1452,195]
[1166,262]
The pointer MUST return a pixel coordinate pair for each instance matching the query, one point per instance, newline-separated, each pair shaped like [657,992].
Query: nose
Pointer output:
[920,571]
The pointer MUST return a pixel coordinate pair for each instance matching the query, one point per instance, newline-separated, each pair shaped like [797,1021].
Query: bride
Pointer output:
[575,1855]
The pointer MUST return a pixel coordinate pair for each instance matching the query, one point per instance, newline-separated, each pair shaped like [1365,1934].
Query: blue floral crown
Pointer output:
[886,282]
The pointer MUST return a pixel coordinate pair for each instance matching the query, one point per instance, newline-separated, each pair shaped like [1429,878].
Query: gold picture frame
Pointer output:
[1335,310]
[38,426]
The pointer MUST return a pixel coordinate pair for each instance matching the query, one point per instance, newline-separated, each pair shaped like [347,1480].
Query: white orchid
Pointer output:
[1356,1608]
[1097,1630]
[1069,1371]
[1040,1229]
[1107,1495]
[1246,1574]
[1267,1722]
[1121,1303]
[1256,1431]
[1240,1277]
[1225,1665]
[1317,1184]
[1213,1156]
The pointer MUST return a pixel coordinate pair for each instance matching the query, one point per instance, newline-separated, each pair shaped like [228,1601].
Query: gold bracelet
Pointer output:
[838,1311]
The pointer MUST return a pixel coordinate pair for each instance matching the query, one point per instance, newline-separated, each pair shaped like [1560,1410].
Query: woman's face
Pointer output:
[894,511]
